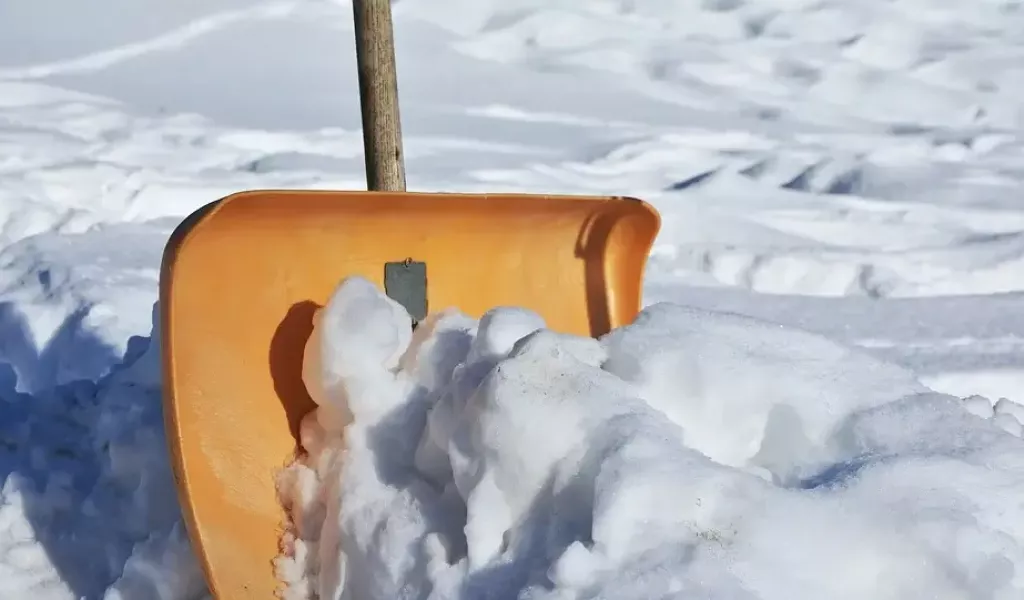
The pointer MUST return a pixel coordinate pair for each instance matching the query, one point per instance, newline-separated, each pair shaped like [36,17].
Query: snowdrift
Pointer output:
[691,452]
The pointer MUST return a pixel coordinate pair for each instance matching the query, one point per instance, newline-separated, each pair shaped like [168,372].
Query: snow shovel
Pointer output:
[242,277]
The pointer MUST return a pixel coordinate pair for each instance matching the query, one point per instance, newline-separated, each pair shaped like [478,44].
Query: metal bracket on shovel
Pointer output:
[405,282]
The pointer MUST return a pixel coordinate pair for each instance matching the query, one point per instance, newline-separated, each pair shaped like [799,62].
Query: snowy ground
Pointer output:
[845,166]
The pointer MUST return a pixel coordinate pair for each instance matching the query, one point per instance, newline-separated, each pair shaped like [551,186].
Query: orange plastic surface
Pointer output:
[242,277]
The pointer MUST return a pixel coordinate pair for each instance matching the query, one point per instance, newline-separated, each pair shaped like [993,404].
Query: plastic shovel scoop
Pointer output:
[243,276]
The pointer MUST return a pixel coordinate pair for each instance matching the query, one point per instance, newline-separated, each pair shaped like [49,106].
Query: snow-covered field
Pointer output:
[847,168]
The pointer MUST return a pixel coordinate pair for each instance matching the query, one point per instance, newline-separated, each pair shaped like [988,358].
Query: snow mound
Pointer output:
[690,453]
[88,507]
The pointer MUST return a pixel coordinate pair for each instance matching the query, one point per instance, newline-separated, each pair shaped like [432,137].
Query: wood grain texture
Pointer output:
[378,95]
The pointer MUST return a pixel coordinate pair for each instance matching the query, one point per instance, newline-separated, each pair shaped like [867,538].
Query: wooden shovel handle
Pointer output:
[378,95]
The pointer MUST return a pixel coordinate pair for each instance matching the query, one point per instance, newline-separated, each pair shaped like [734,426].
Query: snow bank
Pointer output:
[88,507]
[692,452]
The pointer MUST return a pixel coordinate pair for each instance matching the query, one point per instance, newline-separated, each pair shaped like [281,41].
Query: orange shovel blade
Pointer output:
[241,278]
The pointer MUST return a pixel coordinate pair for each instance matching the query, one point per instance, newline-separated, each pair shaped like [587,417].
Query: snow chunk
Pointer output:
[749,393]
[690,453]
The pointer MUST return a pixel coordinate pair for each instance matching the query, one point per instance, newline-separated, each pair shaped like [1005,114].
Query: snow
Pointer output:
[842,244]
[659,461]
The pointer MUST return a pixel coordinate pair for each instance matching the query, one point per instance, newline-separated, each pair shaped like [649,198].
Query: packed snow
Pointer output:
[691,452]
[822,398]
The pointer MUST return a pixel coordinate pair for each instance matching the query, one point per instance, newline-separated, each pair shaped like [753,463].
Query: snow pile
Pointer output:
[690,453]
[88,507]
